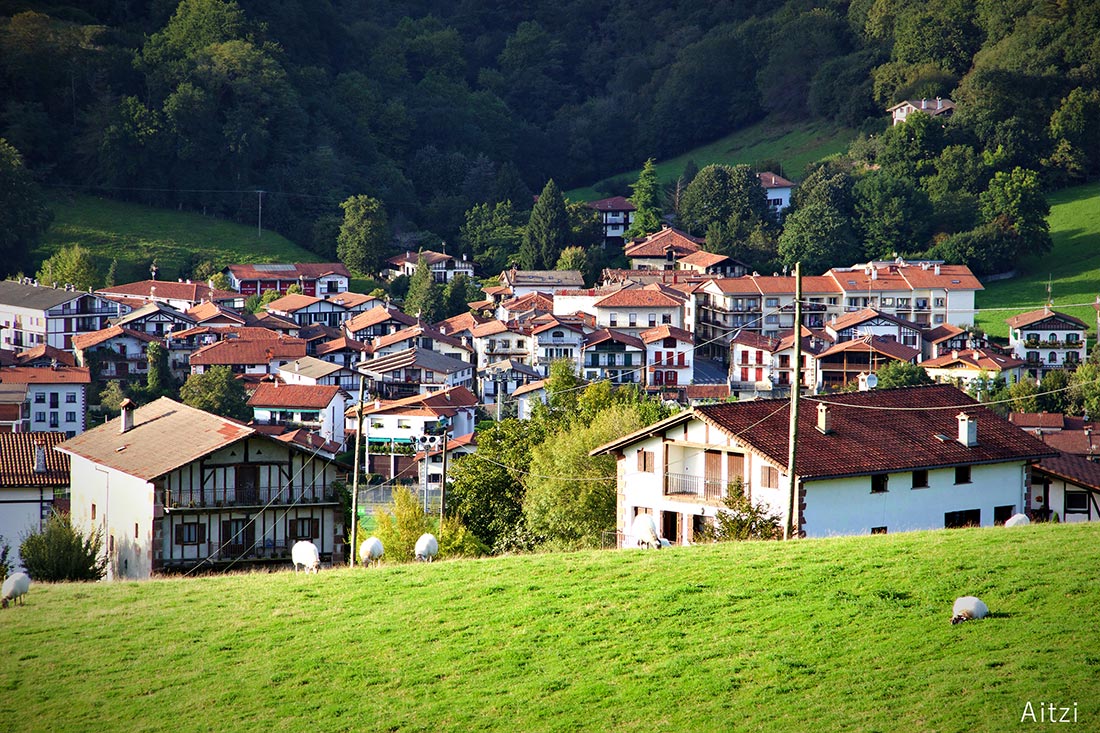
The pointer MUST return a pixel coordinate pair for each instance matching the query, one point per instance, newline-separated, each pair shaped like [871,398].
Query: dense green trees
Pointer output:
[646,198]
[364,235]
[425,297]
[218,391]
[72,265]
[23,213]
[547,232]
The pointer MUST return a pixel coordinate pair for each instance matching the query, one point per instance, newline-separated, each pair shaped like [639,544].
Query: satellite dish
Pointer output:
[872,381]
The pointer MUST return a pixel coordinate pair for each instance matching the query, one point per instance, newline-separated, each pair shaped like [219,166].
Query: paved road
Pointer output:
[709,371]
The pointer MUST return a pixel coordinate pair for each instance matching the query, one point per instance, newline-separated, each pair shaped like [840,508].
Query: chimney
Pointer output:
[874,273]
[937,269]
[824,420]
[939,103]
[39,457]
[924,103]
[968,429]
[127,415]
[954,353]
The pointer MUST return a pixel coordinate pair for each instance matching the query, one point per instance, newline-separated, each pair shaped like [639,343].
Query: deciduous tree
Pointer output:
[72,265]
[216,390]
[364,235]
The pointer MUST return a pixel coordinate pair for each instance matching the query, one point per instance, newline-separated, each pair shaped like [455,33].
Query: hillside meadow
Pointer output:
[137,234]
[1072,268]
[794,145]
[827,635]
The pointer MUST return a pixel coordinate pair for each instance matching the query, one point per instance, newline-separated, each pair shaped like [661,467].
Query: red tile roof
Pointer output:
[1072,468]
[755,340]
[655,245]
[249,351]
[849,320]
[341,343]
[209,311]
[1048,420]
[83,341]
[310,396]
[18,456]
[270,321]
[899,433]
[943,332]
[529,387]
[883,346]
[707,391]
[638,298]
[293,302]
[195,292]
[45,352]
[665,331]
[615,203]
[607,334]
[417,332]
[376,315]
[981,359]
[46,375]
[445,402]
[411,258]
[1026,319]
[304,270]
[530,301]
[702,258]
[771,180]
[458,324]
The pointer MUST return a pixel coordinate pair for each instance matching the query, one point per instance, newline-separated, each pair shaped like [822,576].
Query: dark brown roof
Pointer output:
[707,391]
[615,203]
[883,346]
[898,434]
[18,456]
[1074,469]
[607,334]
[1048,420]
[656,244]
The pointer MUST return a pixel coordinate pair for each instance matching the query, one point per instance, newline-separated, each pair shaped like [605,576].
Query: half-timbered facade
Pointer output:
[1047,340]
[227,496]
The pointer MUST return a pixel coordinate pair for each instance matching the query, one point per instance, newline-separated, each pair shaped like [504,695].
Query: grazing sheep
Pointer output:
[968,608]
[1017,520]
[427,547]
[306,554]
[645,532]
[14,588]
[370,552]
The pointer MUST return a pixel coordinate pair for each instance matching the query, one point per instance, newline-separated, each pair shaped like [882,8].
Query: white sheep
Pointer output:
[427,547]
[14,588]
[1017,520]
[645,532]
[370,552]
[968,608]
[306,554]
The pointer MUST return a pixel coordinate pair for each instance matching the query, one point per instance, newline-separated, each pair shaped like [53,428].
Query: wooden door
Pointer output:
[712,477]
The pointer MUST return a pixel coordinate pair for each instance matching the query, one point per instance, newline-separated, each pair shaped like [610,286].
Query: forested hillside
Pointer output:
[434,107]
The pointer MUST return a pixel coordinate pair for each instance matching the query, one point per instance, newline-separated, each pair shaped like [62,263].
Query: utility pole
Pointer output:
[355,477]
[796,388]
[443,484]
[259,213]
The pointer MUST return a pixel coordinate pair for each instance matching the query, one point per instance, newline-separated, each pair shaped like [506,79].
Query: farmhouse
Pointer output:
[1047,340]
[226,495]
[868,462]
[444,268]
[32,475]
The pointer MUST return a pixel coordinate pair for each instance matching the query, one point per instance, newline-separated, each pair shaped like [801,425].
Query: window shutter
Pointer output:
[201,533]
[641,460]
[315,534]
[290,529]
[178,531]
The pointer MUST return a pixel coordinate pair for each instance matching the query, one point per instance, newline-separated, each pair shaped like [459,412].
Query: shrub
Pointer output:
[742,520]
[400,528]
[60,551]
[5,558]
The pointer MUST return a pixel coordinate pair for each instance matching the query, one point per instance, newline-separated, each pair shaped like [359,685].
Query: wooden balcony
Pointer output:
[683,485]
[207,500]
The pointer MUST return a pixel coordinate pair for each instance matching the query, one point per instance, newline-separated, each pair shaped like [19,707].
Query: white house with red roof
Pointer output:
[661,250]
[778,190]
[415,371]
[842,363]
[522,282]
[444,267]
[613,356]
[616,215]
[496,341]
[119,352]
[964,367]
[155,318]
[868,462]
[422,337]
[317,408]
[32,314]
[634,310]
[57,397]
[712,264]
[381,320]
[226,496]
[761,364]
[323,279]
[401,421]
[331,311]
[937,107]
[873,322]
[670,356]
[216,316]
[31,473]
[44,355]
[432,463]
[557,337]
[1047,340]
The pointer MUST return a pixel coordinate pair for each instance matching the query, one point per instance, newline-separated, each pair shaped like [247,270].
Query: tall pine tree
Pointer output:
[425,298]
[547,230]
[647,202]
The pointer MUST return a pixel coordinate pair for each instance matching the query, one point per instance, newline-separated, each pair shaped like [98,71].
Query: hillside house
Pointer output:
[616,216]
[415,371]
[228,496]
[778,190]
[432,463]
[872,322]
[323,279]
[502,378]
[526,397]
[316,408]
[617,357]
[248,357]
[861,469]
[523,282]
[32,474]
[156,319]
[444,267]
[1047,340]
[842,364]
[638,309]
[555,338]
[712,265]
[661,250]
[216,316]
[33,314]
[1068,486]
[401,421]
[381,320]
[43,356]
[331,311]
[937,107]
[970,366]
[421,337]
[497,341]
[670,356]
[118,351]
[311,370]
[56,398]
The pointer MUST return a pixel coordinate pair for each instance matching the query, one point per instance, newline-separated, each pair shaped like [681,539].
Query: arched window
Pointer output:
[1053,358]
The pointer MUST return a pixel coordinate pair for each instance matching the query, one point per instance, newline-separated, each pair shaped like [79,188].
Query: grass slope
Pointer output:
[793,145]
[136,234]
[1073,266]
[827,635]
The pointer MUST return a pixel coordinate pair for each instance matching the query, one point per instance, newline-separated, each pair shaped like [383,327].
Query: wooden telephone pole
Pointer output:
[790,526]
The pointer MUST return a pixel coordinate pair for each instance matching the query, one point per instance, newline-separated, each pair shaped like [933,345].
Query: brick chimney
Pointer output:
[127,406]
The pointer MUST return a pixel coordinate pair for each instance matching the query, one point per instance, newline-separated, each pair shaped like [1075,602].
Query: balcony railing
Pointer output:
[682,484]
[206,499]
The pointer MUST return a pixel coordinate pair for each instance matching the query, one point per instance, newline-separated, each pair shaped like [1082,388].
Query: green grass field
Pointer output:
[793,145]
[135,234]
[1073,267]
[843,634]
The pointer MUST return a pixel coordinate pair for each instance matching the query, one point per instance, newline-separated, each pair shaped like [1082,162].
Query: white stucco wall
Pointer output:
[20,513]
[121,501]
